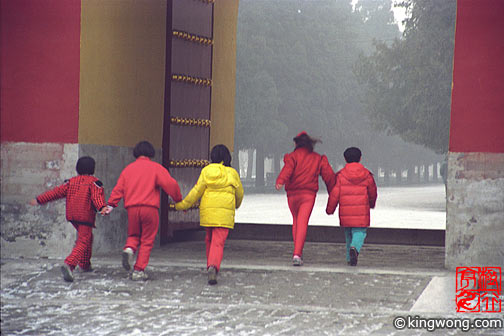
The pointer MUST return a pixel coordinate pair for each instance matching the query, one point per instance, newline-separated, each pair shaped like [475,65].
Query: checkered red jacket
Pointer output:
[84,196]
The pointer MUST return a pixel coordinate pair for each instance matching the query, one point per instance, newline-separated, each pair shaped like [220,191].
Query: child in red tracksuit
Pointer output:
[300,176]
[139,185]
[355,191]
[84,197]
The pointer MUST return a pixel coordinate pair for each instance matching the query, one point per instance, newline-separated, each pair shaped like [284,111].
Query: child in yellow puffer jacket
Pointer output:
[221,191]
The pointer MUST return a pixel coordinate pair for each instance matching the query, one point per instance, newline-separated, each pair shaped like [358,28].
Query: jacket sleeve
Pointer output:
[193,196]
[287,170]
[239,190]
[117,193]
[98,195]
[334,196]
[53,194]
[372,192]
[168,184]
[327,174]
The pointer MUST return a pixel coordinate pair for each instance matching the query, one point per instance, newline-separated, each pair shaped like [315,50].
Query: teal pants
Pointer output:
[354,237]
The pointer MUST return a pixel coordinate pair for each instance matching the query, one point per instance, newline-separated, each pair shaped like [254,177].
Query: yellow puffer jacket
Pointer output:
[221,191]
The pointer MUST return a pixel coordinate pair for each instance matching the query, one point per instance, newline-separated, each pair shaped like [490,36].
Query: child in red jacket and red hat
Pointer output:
[300,176]
[355,191]
[84,197]
[139,184]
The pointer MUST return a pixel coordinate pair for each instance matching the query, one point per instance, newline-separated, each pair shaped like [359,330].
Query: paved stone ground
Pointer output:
[259,293]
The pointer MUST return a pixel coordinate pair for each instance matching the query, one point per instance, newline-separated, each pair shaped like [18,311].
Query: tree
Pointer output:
[408,83]
[295,72]
[308,50]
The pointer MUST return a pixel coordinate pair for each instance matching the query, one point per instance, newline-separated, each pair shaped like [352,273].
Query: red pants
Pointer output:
[143,224]
[215,239]
[301,206]
[83,248]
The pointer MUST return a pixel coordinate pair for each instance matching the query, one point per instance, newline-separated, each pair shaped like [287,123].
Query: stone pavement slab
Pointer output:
[259,293]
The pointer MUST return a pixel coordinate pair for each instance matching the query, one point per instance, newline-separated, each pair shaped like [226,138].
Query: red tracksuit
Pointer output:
[139,185]
[300,175]
[84,196]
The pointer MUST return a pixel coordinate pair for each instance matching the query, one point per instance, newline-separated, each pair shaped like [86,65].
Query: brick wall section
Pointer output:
[28,169]
[475,210]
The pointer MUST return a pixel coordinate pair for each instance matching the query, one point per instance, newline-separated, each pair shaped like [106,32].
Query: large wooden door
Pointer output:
[188,85]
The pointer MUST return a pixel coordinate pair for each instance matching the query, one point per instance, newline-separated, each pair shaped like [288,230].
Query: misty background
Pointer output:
[349,74]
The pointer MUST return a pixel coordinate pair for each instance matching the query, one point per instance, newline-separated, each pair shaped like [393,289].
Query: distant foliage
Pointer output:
[294,68]
[408,83]
[298,68]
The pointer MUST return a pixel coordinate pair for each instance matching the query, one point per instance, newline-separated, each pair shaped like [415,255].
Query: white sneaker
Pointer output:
[297,261]
[139,276]
[127,258]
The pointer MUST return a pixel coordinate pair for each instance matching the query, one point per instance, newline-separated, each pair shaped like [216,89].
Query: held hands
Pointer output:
[106,210]
[178,206]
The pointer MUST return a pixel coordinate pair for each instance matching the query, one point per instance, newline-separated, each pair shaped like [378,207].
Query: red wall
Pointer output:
[477,113]
[40,49]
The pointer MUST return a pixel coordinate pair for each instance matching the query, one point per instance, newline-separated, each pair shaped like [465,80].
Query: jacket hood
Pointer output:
[355,172]
[215,174]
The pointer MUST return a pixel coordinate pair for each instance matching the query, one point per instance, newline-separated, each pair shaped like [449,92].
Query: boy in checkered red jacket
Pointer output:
[84,197]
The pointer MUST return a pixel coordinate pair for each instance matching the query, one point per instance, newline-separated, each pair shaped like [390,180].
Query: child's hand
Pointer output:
[109,210]
[278,186]
[33,202]
[106,210]
[178,206]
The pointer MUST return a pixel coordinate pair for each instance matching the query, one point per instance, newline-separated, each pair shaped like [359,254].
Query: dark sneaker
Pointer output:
[86,270]
[297,261]
[353,256]
[212,275]
[127,258]
[67,273]
[139,276]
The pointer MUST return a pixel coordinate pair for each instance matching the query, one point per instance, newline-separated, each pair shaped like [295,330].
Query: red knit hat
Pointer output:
[301,133]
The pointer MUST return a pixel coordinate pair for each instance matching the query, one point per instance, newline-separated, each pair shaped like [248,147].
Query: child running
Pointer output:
[221,191]
[84,197]
[300,176]
[139,185]
[355,191]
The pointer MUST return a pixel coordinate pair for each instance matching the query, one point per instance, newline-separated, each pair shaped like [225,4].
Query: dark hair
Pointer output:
[304,140]
[220,153]
[352,154]
[85,166]
[144,148]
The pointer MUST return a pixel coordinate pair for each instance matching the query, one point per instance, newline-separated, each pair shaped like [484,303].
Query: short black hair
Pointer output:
[220,153]
[144,148]
[306,141]
[85,165]
[352,154]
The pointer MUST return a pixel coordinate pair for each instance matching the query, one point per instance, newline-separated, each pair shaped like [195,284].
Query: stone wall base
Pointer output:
[475,210]
[29,169]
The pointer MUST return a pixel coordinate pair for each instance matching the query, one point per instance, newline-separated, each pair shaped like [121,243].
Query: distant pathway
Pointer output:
[418,207]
